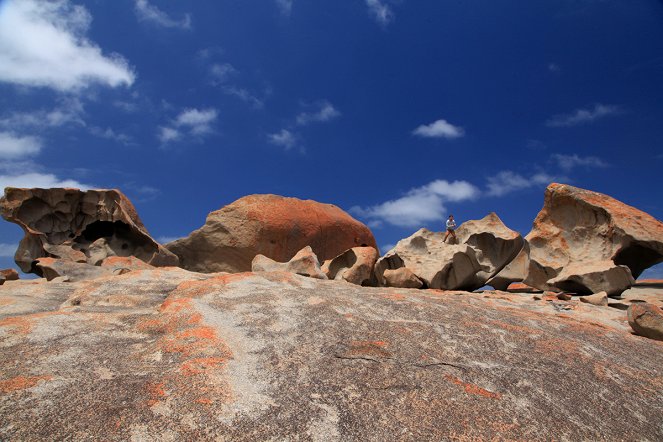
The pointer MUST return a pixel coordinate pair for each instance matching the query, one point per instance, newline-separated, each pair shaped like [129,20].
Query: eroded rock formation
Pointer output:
[486,246]
[270,225]
[354,266]
[304,263]
[78,227]
[579,231]
[646,320]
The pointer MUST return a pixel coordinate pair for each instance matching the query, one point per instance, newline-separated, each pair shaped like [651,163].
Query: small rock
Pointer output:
[401,278]
[8,275]
[564,296]
[354,266]
[304,263]
[646,320]
[600,299]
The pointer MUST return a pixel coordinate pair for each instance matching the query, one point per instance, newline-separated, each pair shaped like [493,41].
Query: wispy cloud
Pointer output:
[420,205]
[222,75]
[554,67]
[285,6]
[284,138]
[194,122]
[150,13]
[380,11]
[110,134]
[570,162]
[439,129]
[506,182]
[323,111]
[44,44]
[584,116]
[14,147]
[69,112]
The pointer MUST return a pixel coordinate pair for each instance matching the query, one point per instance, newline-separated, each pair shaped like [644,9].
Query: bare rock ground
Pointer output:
[167,354]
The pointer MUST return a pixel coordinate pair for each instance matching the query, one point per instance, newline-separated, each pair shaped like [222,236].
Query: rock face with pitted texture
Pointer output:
[66,223]
[304,263]
[484,248]
[167,354]
[354,266]
[270,225]
[579,229]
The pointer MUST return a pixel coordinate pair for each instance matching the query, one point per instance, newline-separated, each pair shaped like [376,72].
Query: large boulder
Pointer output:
[354,266]
[401,278]
[274,226]
[484,248]
[304,263]
[8,275]
[64,223]
[579,230]
[494,243]
[437,264]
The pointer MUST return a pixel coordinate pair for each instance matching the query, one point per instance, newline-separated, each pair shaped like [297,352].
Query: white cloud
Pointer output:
[420,205]
[439,129]
[7,250]
[150,13]
[69,112]
[553,67]
[36,179]
[168,134]
[198,121]
[14,147]
[285,6]
[221,72]
[43,44]
[380,11]
[569,162]
[325,111]
[244,95]
[284,138]
[583,116]
[507,182]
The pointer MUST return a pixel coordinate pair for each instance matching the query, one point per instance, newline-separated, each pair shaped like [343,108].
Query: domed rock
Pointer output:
[583,229]
[271,225]
[63,223]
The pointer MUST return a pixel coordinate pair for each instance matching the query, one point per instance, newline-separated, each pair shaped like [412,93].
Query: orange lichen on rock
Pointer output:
[200,365]
[395,296]
[473,389]
[156,392]
[23,324]
[21,383]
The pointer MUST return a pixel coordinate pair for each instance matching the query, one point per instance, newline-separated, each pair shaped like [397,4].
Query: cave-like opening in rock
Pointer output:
[638,258]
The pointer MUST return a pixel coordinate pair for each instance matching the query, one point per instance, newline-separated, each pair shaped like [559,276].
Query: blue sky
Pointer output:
[399,111]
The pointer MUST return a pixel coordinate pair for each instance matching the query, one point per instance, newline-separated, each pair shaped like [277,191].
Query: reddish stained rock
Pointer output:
[63,223]
[646,320]
[8,275]
[270,225]
[583,229]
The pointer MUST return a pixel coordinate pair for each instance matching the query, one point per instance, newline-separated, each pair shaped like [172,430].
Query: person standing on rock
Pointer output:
[451,229]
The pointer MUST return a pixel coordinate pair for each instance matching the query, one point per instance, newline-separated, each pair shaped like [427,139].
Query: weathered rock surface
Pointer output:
[270,225]
[8,275]
[600,299]
[436,264]
[495,245]
[304,263]
[580,228]
[485,247]
[65,223]
[513,272]
[166,354]
[646,320]
[592,277]
[354,266]
[402,278]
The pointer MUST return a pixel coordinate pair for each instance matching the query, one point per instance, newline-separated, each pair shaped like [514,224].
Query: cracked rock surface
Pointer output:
[167,354]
